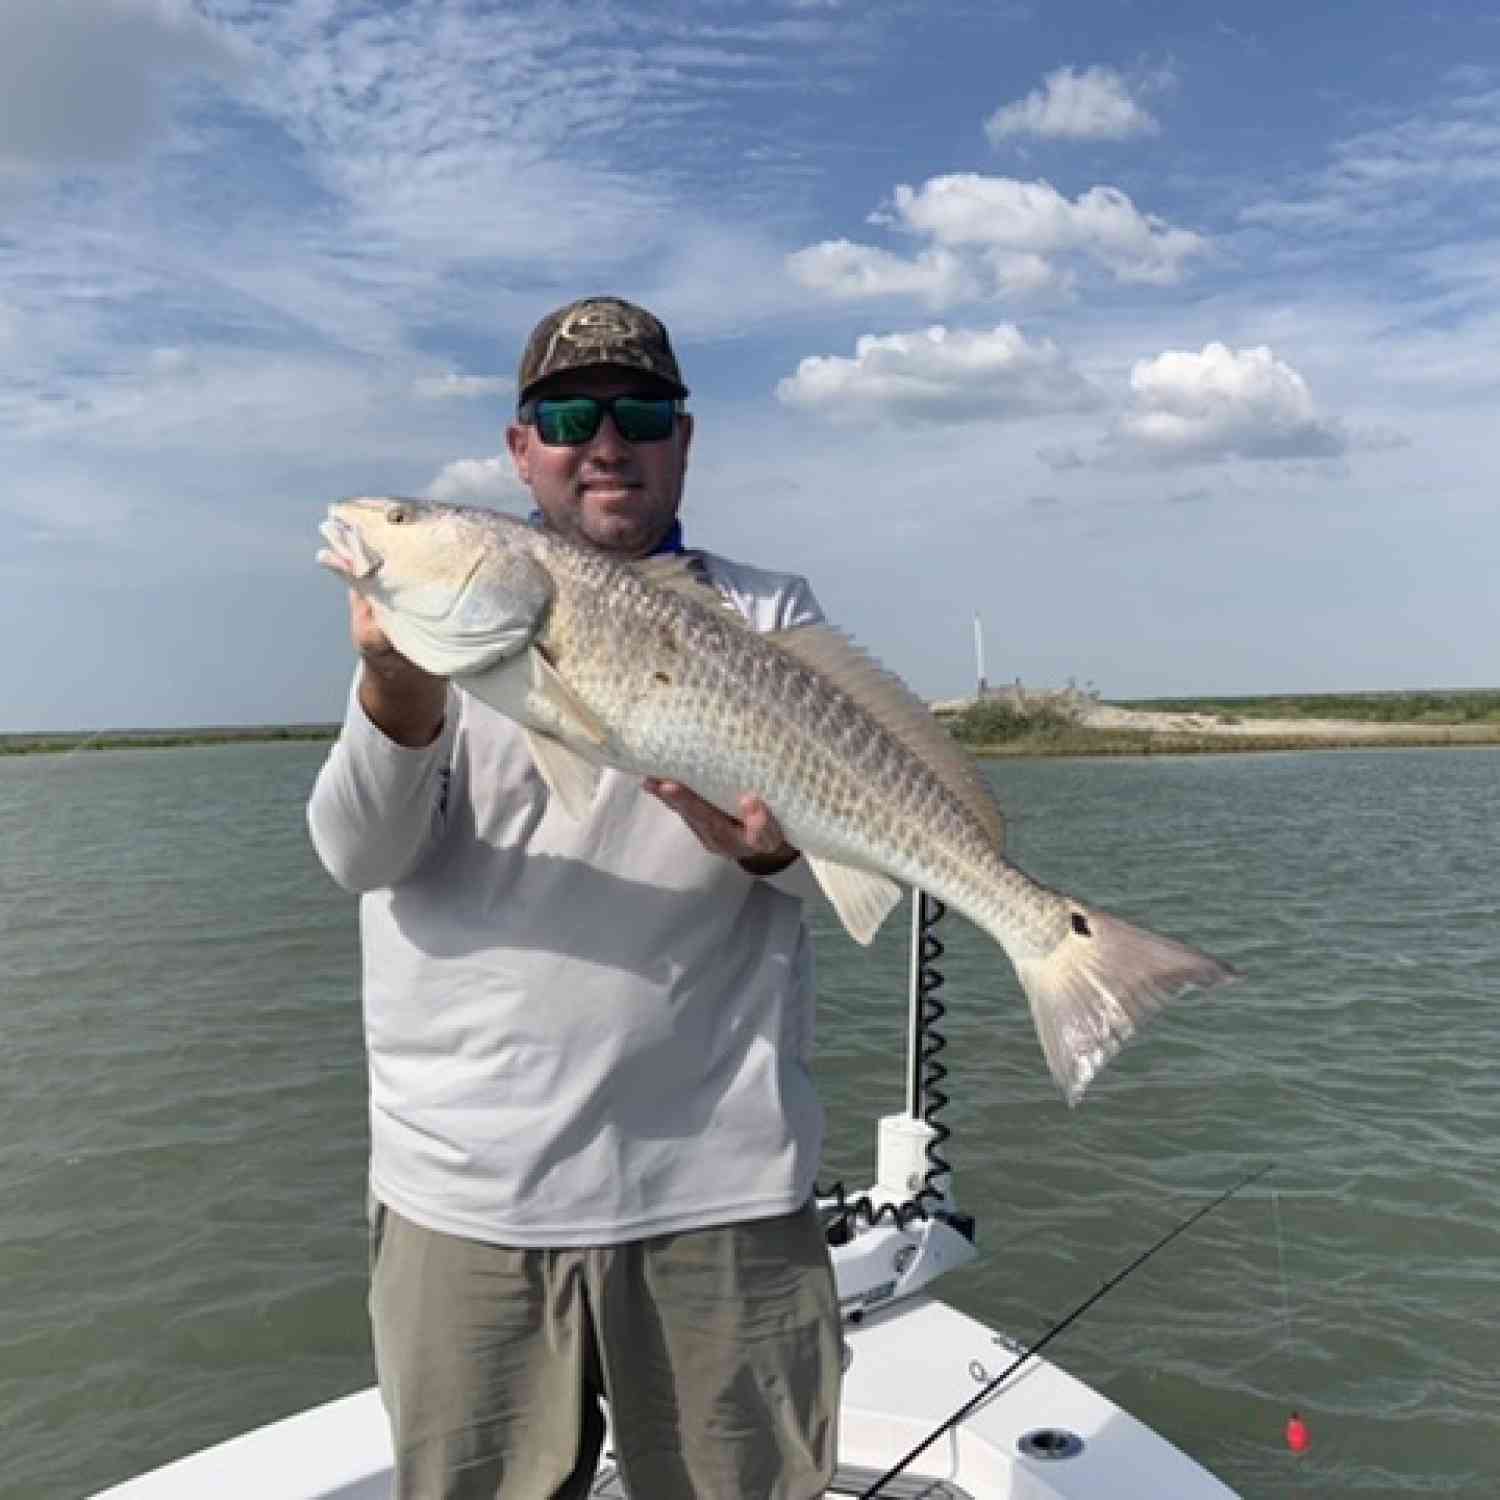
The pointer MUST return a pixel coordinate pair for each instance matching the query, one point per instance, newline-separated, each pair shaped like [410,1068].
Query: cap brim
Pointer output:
[558,380]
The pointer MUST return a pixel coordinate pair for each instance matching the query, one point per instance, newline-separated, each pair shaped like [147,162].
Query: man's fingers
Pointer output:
[716,831]
[754,832]
[762,831]
[369,639]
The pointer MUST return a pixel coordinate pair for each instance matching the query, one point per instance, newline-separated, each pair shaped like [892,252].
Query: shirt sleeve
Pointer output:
[377,807]
[796,880]
[798,606]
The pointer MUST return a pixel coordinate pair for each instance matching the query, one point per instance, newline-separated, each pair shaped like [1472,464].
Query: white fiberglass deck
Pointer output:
[909,1369]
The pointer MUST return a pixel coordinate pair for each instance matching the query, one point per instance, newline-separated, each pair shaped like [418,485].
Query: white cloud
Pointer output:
[186,399]
[1094,105]
[392,176]
[1424,169]
[1022,274]
[999,237]
[527,131]
[1222,403]
[479,481]
[451,386]
[938,375]
[1002,214]
[846,271]
[85,81]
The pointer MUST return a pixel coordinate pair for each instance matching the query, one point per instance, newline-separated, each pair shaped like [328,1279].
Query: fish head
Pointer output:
[455,587]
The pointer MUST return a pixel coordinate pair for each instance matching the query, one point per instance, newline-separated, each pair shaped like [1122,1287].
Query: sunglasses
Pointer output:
[568,421]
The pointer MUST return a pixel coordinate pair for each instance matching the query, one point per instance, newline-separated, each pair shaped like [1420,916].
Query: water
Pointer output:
[182,1130]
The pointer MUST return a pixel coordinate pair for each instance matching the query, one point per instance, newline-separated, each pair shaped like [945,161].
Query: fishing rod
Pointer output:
[1114,1281]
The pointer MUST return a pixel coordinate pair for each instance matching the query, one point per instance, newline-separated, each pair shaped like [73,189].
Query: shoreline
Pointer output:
[1083,741]
[49,742]
[1101,730]
[1110,730]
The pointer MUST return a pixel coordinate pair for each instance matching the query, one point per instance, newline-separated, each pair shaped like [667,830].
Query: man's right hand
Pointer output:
[405,703]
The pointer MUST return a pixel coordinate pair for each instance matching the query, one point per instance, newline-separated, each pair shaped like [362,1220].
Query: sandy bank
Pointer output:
[1105,716]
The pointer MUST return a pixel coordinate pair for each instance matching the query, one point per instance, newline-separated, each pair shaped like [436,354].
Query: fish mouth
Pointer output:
[347,552]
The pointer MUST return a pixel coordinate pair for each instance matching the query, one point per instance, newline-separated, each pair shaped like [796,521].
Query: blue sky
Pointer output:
[1162,336]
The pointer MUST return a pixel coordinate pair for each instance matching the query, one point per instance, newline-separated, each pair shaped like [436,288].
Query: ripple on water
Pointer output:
[182,1113]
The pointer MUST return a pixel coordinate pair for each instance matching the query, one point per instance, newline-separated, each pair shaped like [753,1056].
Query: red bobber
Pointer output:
[1297,1435]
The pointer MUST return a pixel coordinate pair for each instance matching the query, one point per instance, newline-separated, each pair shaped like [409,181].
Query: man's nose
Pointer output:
[607,446]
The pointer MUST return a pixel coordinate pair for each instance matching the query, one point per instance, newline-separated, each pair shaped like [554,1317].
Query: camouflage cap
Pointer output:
[598,331]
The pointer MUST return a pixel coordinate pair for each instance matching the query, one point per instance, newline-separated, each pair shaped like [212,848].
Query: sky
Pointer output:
[1163,338]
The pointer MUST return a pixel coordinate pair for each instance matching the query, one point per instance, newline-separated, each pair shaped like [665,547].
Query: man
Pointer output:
[593,1134]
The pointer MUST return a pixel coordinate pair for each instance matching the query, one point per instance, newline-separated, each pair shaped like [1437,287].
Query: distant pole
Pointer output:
[979,655]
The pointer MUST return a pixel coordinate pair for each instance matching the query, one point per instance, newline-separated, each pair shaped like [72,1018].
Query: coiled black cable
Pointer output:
[845,1212]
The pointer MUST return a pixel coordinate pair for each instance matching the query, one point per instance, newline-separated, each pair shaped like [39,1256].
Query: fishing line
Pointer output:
[1298,1438]
[1057,1328]
[1286,1304]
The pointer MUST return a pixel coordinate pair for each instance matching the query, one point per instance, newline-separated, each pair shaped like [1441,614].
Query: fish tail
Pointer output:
[1100,985]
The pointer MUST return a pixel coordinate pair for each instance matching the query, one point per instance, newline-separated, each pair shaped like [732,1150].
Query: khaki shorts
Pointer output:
[718,1352]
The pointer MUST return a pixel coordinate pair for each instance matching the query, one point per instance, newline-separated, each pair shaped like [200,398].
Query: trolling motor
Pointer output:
[892,1240]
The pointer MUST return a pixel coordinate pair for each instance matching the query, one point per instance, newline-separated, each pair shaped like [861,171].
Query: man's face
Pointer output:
[616,495]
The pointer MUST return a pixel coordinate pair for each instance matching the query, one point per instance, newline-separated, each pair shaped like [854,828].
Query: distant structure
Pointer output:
[1069,701]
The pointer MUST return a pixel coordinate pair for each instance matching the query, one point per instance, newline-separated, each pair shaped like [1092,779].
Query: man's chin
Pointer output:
[632,536]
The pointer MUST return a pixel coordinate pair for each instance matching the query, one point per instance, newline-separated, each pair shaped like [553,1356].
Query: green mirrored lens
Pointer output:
[571,420]
[642,421]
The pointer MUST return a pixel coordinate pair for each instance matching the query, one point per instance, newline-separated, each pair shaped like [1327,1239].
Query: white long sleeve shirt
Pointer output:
[578,1033]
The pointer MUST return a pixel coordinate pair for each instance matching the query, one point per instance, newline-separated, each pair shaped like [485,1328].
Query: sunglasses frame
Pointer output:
[528,415]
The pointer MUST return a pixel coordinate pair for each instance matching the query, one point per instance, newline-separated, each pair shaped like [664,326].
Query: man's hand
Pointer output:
[754,839]
[405,703]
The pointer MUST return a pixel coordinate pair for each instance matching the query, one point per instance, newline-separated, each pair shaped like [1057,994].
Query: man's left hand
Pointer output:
[754,839]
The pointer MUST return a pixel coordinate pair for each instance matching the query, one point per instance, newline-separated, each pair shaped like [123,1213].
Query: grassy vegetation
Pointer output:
[1479,706]
[1050,726]
[157,739]
[996,727]
[997,721]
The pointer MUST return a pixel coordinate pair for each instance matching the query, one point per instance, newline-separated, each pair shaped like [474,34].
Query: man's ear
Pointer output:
[518,440]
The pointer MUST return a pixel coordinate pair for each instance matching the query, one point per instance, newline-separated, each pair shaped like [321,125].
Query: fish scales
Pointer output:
[735,714]
[633,666]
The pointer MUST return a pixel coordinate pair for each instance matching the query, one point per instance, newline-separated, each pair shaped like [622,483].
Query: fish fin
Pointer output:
[505,687]
[578,720]
[862,899]
[884,696]
[569,777]
[1100,985]
[513,688]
